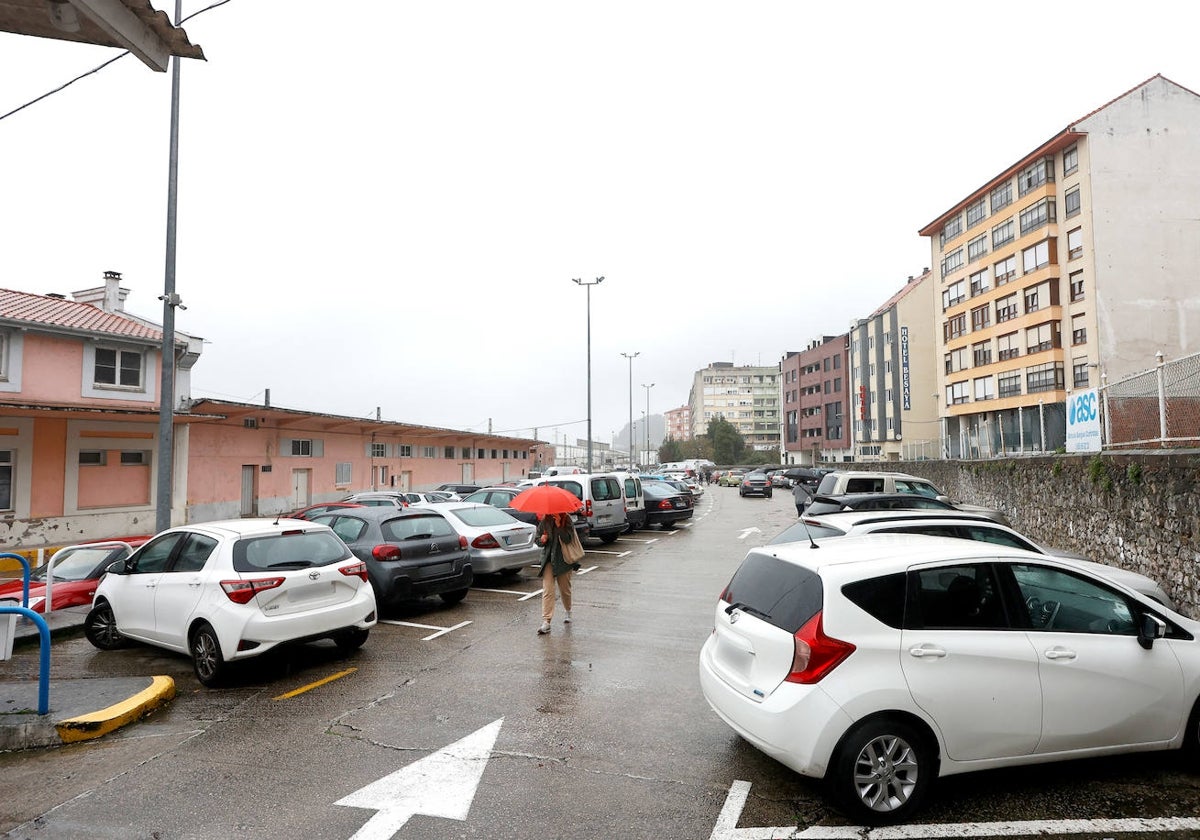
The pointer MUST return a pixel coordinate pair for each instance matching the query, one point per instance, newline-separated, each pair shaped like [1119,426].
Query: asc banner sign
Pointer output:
[1083,422]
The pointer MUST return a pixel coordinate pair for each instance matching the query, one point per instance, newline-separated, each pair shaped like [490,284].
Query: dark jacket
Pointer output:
[552,552]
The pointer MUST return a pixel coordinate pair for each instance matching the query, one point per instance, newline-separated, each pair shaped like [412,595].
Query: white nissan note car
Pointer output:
[224,591]
[881,662]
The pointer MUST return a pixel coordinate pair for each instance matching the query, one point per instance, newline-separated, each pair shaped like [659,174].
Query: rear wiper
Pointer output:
[419,537]
[290,564]
[746,608]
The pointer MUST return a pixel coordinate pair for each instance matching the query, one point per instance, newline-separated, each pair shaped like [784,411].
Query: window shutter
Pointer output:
[318,448]
[285,447]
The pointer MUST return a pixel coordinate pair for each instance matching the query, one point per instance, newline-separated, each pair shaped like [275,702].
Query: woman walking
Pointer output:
[552,530]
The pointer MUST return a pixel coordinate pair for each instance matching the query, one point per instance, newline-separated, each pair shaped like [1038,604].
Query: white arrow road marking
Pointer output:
[726,827]
[748,531]
[439,785]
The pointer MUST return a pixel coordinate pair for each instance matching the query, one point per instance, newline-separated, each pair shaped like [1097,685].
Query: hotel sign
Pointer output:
[905,380]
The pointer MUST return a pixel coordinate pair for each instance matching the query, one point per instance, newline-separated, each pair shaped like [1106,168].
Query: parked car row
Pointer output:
[919,643]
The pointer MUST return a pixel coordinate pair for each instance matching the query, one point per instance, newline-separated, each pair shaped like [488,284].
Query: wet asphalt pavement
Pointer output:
[599,729]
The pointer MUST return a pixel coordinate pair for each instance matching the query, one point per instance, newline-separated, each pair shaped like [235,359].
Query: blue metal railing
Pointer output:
[43,633]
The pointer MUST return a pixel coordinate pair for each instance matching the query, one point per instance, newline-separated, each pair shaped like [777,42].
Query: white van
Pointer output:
[561,470]
[635,500]
[603,498]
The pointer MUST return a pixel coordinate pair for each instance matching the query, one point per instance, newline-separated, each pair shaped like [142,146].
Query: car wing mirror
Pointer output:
[117,567]
[944,498]
[1152,627]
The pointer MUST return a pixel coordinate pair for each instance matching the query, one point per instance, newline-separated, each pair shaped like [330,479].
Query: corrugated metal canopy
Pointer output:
[132,25]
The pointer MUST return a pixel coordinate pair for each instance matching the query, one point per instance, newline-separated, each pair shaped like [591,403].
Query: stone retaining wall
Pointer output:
[1136,510]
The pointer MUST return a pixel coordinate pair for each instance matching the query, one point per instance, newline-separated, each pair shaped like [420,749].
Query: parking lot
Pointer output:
[459,721]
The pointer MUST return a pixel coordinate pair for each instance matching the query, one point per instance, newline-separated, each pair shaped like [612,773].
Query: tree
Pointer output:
[726,442]
[671,450]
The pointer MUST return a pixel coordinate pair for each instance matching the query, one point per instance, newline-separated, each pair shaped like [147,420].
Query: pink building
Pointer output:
[79,407]
[679,423]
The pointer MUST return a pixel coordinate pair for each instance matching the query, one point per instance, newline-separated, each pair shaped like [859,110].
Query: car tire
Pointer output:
[207,659]
[1191,738]
[453,597]
[100,627]
[881,771]
[351,640]
[608,539]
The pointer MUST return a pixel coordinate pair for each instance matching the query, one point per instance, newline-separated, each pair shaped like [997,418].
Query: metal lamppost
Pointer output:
[631,357]
[648,387]
[595,282]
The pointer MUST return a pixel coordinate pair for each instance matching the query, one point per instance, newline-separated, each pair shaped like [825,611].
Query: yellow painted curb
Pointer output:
[161,690]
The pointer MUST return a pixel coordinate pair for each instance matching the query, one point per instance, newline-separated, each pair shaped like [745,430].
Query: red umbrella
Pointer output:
[544,499]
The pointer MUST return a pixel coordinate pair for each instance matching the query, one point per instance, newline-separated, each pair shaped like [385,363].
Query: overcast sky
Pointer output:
[384,205]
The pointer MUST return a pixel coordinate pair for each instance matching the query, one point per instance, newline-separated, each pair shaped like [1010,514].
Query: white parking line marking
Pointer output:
[635,540]
[500,591]
[588,569]
[726,827]
[613,553]
[458,626]
[442,631]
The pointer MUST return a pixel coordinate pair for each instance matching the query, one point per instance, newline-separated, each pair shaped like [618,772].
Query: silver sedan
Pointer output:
[496,541]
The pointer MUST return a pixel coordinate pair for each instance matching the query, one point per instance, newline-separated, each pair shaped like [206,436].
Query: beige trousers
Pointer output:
[564,589]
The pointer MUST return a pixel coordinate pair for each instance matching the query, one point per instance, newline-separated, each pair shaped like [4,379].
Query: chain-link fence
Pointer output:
[1157,407]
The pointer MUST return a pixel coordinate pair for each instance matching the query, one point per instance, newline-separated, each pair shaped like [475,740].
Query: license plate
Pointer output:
[604,517]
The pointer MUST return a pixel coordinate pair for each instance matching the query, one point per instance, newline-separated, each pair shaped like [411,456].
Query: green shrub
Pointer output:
[1106,483]
[1096,469]
[1056,471]
[1134,473]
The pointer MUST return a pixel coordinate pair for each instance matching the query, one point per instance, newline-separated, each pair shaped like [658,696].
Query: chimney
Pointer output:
[110,297]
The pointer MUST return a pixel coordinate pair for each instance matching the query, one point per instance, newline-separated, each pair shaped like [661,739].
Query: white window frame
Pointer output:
[146,392]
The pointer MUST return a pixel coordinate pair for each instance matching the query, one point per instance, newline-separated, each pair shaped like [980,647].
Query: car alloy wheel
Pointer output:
[882,771]
[206,656]
[100,627]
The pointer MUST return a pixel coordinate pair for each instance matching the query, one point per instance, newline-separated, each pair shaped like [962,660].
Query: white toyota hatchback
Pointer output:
[224,591]
[881,662]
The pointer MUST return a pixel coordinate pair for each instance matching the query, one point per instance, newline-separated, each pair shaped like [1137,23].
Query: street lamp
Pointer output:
[631,357]
[595,282]
[647,387]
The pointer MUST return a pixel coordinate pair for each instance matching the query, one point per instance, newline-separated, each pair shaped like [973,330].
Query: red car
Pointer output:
[77,571]
[307,513]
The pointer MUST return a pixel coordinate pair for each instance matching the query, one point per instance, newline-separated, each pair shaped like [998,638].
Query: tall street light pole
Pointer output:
[647,387]
[588,286]
[631,357]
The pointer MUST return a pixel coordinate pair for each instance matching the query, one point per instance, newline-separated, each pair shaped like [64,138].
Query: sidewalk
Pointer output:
[79,709]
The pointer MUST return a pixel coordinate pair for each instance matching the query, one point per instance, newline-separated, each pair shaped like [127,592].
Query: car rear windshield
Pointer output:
[570,486]
[781,593]
[606,489]
[483,517]
[420,527]
[805,530]
[292,550]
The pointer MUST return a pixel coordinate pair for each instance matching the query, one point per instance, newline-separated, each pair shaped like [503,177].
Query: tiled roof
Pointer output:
[912,283]
[51,312]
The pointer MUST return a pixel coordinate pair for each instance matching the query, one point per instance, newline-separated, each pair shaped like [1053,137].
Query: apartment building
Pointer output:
[1070,268]
[894,406]
[679,423]
[746,396]
[816,407]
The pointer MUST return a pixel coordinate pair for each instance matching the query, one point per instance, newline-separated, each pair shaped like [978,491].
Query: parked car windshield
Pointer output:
[295,550]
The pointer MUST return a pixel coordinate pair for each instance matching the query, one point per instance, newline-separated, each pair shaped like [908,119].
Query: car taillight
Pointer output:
[462,541]
[665,504]
[242,591]
[587,508]
[356,570]
[386,551]
[815,653]
[485,541]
